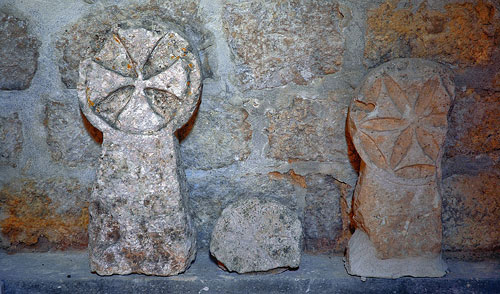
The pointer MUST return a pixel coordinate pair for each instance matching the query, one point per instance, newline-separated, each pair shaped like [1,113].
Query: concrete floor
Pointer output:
[68,272]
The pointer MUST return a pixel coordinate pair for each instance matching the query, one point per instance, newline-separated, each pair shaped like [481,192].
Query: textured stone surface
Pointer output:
[254,235]
[471,212]
[398,124]
[218,139]
[363,262]
[11,136]
[44,214]
[326,219]
[87,36]
[298,125]
[140,88]
[68,140]
[18,54]
[211,193]
[276,43]
[462,33]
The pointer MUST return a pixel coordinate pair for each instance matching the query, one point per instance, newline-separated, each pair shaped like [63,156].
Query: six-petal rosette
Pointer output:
[140,82]
[399,123]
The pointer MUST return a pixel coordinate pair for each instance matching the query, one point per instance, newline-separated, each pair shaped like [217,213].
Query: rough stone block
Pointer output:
[256,235]
[471,213]
[138,90]
[276,43]
[44,214]
[18,54]
[298,125]
[218,139]
[398,124]
[11,136]
[68,141]
[465,33]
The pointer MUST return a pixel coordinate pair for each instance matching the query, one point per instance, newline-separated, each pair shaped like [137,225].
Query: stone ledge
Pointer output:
[68,272]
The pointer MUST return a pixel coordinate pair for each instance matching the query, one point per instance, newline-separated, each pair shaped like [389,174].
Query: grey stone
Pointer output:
[68,141]
[11,135]
[211,192]
[18,54]
[87,36]
[218,139]
[298,125]
[276,43]
[138,90]
[255,235]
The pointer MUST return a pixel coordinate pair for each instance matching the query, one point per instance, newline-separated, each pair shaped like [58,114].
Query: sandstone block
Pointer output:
[398,123]
[18,54]
[277,43]
[256,235]
[138,90]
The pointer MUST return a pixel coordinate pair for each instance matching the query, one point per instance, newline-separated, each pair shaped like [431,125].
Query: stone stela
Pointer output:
[398,123]
[138,90]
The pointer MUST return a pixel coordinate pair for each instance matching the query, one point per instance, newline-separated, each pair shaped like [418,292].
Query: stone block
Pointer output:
[11,135]
[218,139]
[464,33]
[44,214]
[18,53]
[471,213]
[69,142]
[275,43]
[256,235]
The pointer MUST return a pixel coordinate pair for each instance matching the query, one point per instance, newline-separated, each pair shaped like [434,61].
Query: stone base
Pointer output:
[362,261]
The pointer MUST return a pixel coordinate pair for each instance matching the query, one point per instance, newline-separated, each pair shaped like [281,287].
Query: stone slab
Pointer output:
[69,272]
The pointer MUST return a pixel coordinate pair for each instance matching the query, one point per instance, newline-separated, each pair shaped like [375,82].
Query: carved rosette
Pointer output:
[398,124]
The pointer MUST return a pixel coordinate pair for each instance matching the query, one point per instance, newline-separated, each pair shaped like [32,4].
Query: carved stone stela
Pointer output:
[138,90]
[398,123]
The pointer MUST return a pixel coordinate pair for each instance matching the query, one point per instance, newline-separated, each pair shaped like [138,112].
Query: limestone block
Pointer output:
[18,54]
[255,235]
[138,90]
[398,123]
[277,43]
[11,136]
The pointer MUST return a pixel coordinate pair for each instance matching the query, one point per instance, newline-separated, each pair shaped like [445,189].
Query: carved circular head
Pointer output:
[398,120]
[140,82]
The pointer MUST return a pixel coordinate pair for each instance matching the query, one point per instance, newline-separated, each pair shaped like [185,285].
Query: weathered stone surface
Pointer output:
[69,143]
[276,43]
[211,193]
[43,214]
[398,123]
[365,263]
[471,213]
[465,33]
[87,36]
[18,54]
[11,136]
[298,125]
[138,90]
[255,235]
[326,219]
[474,124]
[218,139]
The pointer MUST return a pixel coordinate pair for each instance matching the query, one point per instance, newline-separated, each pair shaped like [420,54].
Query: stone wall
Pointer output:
[278,78]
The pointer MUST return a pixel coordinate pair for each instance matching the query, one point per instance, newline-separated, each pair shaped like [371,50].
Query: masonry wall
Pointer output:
[278,79]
